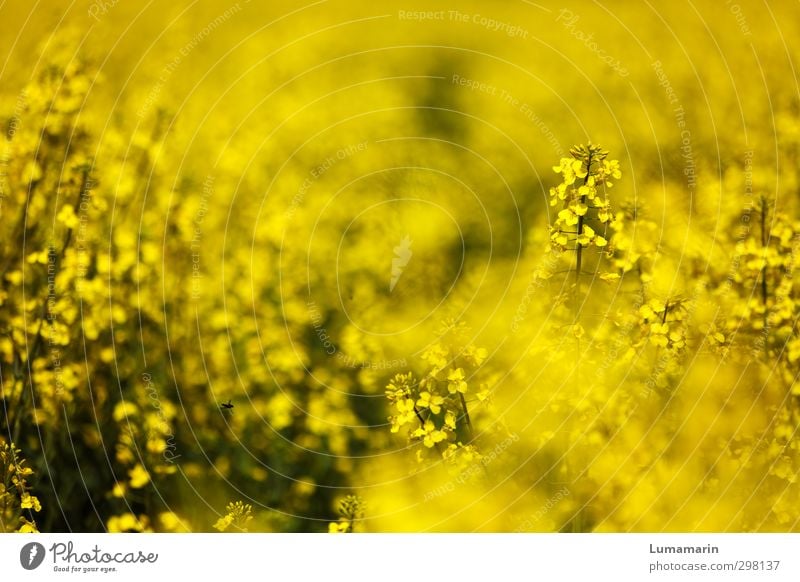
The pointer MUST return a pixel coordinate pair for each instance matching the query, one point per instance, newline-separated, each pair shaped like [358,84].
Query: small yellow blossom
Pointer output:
[432,402]
[139,477]
[456,382]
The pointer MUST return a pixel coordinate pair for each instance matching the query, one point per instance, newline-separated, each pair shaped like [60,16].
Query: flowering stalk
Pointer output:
[434,407]
[589,164]
[237,515]
[579,230]
[764,241]
[351,511]
[16,501]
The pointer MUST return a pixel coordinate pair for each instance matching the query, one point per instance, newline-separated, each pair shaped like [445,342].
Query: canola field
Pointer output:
[399,266]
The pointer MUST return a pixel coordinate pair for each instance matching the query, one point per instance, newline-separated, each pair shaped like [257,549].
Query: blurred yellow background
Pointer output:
[285,205]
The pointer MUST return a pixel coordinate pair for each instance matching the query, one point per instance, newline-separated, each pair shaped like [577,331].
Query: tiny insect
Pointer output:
[227,405]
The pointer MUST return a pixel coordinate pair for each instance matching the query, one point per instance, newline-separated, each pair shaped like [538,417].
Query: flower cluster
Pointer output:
[351,512]
[635,244]
[663,322]
[439,409]
[584,179]
[17,504]
[237,515]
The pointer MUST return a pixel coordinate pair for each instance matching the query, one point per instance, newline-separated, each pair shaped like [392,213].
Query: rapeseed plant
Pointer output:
[351,511]
[237,515]
[17,504]
[369,286]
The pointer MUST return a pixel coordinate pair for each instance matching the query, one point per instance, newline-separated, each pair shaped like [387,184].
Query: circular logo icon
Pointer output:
[31,555]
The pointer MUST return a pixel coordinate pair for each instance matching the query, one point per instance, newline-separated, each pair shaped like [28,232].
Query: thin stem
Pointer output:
[579,254]
[466,415]
[419,416]
[579,249]
[469,427]
[764,267]
[33,353]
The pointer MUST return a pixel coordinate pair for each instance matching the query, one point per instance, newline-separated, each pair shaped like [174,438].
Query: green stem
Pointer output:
[469,427]
[466,416]
[764,267]
[579,250]
[46,315]
[419,417]
[579,247]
